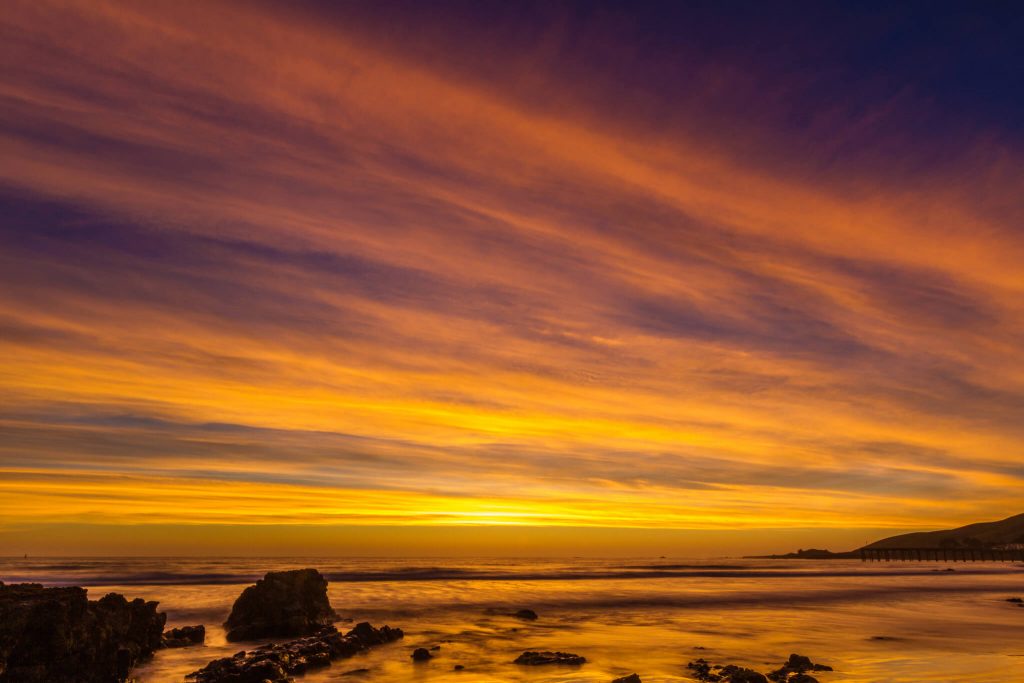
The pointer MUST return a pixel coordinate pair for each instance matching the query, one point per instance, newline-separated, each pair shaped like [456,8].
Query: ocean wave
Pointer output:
[44,575]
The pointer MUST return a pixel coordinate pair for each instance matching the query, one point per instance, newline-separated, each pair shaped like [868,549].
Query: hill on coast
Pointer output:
[1005,532]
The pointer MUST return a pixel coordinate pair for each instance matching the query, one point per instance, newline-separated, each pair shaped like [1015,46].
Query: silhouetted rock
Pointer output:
[801,678]
[701,669]
[58,635]
[289,603]
[458,667]
[730,673]
[739,674]
[277,663]
[184,636]
[1016,600]
[631,678]
[796,666]
[527,614]
[421,654]
[368,636]
[539,658]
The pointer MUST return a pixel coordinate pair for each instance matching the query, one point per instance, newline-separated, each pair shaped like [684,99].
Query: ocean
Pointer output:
[872,622]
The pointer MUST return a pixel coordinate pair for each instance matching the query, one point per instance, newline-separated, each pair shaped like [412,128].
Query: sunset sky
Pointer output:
[357,277]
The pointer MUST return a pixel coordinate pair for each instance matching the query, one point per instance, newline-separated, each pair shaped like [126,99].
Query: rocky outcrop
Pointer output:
[421,654]
[730,673]
[631,678]
[277,663]
[526,614]
[184,636]
[540,658]
[739,674]
[281,604]
[58,635]
[793,671]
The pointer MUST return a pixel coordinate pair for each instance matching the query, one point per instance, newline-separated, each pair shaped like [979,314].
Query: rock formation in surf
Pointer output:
[541,658]
[184,636]
[278,663]
[281,604]
[58,635]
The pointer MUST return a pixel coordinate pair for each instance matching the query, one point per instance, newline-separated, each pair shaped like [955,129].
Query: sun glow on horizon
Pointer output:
[261,269]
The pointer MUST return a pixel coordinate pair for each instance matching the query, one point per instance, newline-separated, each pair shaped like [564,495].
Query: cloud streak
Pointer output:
[286,270]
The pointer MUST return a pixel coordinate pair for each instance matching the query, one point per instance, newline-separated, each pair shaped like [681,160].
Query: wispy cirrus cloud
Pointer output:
[253,256]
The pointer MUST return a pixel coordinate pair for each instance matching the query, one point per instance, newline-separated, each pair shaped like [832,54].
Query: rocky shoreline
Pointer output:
[58,635]
[794,670]
[53,635]
[277,663]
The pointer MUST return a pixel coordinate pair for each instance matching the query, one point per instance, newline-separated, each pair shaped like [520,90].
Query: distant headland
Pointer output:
[1005,534]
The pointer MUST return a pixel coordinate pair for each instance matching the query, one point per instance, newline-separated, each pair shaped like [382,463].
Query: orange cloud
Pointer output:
[283,271]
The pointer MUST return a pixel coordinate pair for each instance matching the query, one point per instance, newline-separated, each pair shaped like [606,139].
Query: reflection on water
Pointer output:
[904,622]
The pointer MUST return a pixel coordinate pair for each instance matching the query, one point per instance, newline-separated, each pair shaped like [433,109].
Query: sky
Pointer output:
[477,277]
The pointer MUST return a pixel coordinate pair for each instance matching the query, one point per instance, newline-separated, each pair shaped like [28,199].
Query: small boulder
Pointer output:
[739,674]
[703,670]
[801,678]
[631,678]
[288,603]
[421,654]
[368,636]
[541,658]
[527,614]
[797,665]
[184,636]
[458,667]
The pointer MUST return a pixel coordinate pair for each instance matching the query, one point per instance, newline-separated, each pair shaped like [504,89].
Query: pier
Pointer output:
[941,555]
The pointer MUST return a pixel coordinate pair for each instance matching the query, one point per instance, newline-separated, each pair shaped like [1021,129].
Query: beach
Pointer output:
[899,622]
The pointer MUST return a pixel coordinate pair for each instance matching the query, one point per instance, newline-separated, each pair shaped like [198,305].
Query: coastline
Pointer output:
[853,619]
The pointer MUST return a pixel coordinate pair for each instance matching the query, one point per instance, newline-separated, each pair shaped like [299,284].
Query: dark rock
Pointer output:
[1016,600]
[730,673]
[801,678]
[58,635]
[701,669]
[290,603]
[458,667]
[631,678]
[356,672]
[795,666]
[184,636]
[799,663]
[277,663]
[368,636]
[527,614]
[539,658]
[421,654]
[739,674]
